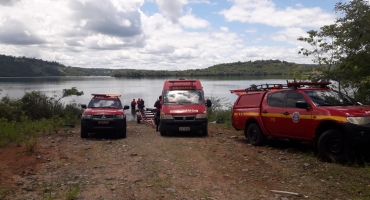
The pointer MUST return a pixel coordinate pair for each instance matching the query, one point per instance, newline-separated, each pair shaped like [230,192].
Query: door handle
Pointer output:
[265,111]
[285,113]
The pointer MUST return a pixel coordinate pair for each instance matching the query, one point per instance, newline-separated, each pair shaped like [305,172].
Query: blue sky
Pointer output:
[159,34]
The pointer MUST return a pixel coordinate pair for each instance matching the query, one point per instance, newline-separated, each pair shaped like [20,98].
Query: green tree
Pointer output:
[342,49]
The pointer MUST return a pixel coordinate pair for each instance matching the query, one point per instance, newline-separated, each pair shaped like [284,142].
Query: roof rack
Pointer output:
[106,95]
[292,85]
[265,87]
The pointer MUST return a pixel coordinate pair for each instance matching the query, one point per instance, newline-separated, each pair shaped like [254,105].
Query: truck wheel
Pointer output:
[254,135]
[123,133]
[163,133]
[84,133]
[332,147]
[205,131]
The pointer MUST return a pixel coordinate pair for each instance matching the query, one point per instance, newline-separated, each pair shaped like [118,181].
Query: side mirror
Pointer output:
[302,104]
[208,103]
[83,106]
[126,107]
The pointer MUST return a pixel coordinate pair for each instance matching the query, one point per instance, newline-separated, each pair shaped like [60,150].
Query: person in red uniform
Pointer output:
[158,106]
[133,104]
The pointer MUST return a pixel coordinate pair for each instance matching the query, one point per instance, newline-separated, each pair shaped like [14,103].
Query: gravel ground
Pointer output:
[145,165]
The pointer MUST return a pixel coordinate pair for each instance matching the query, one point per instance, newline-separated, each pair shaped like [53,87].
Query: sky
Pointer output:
[160,34]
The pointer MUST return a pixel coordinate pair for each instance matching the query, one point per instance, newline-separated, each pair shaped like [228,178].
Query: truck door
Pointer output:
[296,121]
[271,112]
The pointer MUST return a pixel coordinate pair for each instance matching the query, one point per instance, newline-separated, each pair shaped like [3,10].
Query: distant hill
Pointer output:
[249,68]
[11,66]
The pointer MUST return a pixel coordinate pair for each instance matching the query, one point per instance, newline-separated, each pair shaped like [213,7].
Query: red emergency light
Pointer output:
[182,85]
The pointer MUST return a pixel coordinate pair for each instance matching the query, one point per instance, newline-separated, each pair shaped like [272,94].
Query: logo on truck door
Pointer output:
[295,117]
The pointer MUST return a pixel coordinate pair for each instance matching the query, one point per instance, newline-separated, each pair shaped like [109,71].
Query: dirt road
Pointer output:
[147,166]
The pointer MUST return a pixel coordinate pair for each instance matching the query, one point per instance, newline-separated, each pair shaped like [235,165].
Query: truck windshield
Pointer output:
[104,103]
[329,98]
[183,97]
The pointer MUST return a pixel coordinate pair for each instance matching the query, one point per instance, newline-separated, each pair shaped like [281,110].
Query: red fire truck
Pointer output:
[104,113]
[183,107]
[303,111]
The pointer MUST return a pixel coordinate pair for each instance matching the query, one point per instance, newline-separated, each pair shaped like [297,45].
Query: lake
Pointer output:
[147,88]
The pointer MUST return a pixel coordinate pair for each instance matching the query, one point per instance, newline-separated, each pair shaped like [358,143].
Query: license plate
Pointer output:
[184,128]
[103,122]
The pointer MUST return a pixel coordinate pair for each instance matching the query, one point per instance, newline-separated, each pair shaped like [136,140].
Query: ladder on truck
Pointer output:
[147,116]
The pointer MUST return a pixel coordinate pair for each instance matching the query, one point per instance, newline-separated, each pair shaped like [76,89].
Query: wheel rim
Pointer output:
[253,135]
[335,145]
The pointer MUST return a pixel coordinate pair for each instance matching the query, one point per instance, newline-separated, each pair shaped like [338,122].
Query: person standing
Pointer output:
[140,106]
[133,104]
[158,106]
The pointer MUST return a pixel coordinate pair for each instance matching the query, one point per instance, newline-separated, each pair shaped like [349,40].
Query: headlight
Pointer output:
[359,120]
[166,117]
[86,116]
[199,116]
[120,116]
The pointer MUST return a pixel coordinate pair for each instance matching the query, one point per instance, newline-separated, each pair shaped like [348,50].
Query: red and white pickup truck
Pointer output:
[303,111]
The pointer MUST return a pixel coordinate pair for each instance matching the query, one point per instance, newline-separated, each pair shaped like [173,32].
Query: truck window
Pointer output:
[329,98]
[292,98]
[276,99]
[102,103]
[183,97]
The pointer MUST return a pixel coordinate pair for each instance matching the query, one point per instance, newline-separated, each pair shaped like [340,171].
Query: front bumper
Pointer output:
[358,135]
[183,125]
[98,125]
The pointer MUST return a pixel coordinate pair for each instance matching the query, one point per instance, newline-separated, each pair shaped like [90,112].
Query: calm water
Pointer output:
[147,88]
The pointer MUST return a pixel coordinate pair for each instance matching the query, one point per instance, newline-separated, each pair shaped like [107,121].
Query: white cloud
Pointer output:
[253,30]
[288,35]
[118,34]
[190,21]
[225,29]
[266,12]
[171,8]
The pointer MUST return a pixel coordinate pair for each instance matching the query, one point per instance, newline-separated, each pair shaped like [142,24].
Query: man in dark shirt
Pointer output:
[158,106]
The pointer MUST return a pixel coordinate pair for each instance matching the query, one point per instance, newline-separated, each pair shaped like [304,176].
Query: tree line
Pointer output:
[11,66]
[248,68]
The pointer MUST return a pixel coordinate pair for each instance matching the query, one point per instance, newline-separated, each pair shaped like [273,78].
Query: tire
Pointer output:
[332,147]
[124,131]
[205,131]
[84,133]
[138,119]
[163,133]
[254,135]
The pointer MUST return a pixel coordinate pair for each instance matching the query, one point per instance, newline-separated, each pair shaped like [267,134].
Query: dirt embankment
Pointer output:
[147,166]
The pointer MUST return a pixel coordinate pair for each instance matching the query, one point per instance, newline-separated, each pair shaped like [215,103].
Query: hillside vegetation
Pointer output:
[249,68]
[11,66]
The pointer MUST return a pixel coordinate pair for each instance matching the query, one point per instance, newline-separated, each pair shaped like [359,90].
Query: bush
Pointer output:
[37,105]
[220,111]
[21,119]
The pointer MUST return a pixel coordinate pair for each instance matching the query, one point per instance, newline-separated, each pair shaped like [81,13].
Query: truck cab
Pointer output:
[303,111]
[184,107]
[104,113]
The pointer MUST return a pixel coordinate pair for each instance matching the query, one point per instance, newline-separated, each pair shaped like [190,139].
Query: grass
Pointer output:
[26,131]
[5,191]
[73,192]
